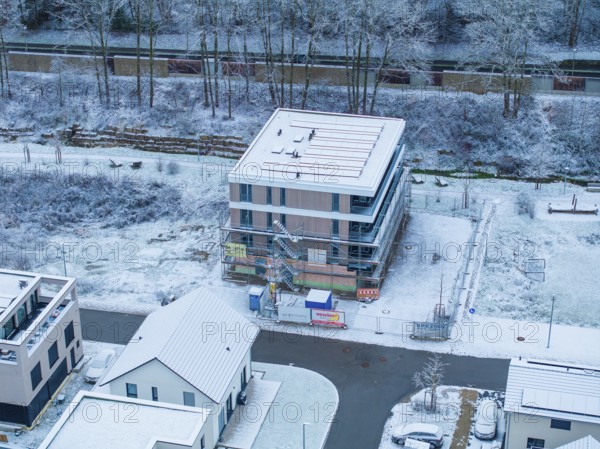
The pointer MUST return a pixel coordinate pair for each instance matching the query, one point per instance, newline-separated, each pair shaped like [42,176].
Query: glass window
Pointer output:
[53,354]
[155,394]
[335,253]
[269,221]
[246,193]
[8,327]
[202,443]
[282,197]
[21,315]
[131,390]
[36,376]
[248,240]
[246,218]
[335,202]
[69,334]
[282,220]
[269,195]
[560,424]
[189,399]
[535,442]
[335,229]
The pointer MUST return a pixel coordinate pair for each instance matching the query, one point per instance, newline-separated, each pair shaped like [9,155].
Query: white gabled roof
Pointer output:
[554,389]
[588,442]
[198,337]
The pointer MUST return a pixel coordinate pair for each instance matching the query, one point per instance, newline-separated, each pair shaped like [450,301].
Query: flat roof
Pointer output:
[11,286]
[321,151]
[104,421]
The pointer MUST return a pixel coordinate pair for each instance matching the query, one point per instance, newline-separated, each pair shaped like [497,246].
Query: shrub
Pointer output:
[173,168]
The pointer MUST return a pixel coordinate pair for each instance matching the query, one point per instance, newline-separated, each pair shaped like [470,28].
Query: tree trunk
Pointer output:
[138,43]
[151,50]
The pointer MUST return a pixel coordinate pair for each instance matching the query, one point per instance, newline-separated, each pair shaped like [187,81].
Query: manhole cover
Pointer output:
[382,359]
[346,350]
[386,311]
[408,247]
[520,338]
[365,364]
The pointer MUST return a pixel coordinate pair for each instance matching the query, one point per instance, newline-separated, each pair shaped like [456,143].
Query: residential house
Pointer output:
[550,404]
[40,341]
[195,352]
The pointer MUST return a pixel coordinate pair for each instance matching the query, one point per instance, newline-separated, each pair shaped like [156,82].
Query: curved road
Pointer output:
[370,379]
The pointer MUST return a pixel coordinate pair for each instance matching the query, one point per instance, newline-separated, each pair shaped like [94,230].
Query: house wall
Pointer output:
[521,426]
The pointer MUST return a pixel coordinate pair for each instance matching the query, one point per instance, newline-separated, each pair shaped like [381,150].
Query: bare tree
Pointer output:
[505,36]
[574,11]
[430,378]
[95,18]
[8,15]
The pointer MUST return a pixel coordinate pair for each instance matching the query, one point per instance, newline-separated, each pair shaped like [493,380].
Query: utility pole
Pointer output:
[551,317]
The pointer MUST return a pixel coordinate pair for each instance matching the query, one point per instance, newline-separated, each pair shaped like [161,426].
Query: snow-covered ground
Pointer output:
[132,268]
[447,416]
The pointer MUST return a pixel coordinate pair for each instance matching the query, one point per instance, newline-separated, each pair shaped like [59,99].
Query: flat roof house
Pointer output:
[550,404]
[100,421]
[40,341]
[194,352]
[317,200]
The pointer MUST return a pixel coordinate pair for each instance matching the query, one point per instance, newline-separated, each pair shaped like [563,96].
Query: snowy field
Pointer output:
[134,267]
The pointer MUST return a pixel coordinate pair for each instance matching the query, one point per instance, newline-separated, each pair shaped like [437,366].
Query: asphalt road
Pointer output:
[370,379]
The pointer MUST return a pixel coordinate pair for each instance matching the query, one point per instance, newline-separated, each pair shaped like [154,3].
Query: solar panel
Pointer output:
[579,404]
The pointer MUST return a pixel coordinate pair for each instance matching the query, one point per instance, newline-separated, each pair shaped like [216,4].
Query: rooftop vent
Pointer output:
[298,138]
[279,132]
[22,284]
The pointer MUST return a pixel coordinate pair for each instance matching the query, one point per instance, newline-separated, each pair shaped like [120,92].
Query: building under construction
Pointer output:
[317,201]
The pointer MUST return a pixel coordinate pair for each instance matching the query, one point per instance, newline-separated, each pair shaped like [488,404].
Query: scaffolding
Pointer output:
[295,260]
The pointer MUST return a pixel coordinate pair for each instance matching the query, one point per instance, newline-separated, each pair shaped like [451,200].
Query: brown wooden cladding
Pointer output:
[295,198]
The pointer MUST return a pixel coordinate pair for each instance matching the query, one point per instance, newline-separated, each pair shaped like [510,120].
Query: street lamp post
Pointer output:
[551,316]
[304,434]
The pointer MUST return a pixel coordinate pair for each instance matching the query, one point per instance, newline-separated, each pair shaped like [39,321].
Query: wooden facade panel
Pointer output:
[344,203]
[235,218]
[234,191]
[259,194]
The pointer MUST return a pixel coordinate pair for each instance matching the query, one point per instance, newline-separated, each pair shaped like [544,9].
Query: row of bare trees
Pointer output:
[368,35]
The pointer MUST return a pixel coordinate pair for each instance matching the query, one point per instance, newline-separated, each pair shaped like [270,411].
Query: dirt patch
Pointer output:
[468,398]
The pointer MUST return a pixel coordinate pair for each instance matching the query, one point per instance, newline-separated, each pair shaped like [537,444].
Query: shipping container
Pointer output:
[318,299]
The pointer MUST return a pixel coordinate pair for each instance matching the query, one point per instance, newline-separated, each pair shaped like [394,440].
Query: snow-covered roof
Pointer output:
[198,337]
[320,296]
[554,389]
[320,151]
[99,421]
[10,287]
[588,442]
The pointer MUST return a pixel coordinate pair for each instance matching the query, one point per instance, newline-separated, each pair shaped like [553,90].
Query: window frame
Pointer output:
[192,395]
[557,423]
[335,202]
[282,197]
[531,442]
[246,219]
[129,388]
[245,193]
[37,370]
[53,357]
[335,229]
[69,334]
[269,195]
[154,391]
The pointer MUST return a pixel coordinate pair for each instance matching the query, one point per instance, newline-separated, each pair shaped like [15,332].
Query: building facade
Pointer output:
[550,404]
[317,201]
[40,341]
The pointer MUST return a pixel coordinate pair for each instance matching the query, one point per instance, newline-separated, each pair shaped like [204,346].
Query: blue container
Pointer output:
[254,296]
[318,299]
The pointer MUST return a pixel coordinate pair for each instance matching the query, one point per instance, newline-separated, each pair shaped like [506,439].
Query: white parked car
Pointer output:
[486,418]
[98,365]
[429,433]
